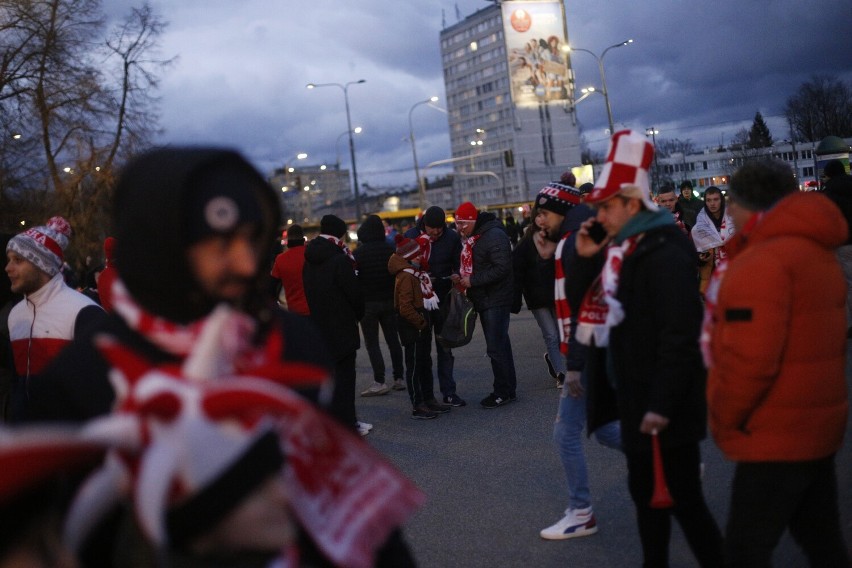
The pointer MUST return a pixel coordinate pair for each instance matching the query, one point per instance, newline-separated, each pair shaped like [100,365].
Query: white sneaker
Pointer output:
[364,428]
[576,522]
[376,389]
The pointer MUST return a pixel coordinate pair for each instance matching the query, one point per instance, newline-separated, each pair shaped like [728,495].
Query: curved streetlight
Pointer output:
[600,59]
[421,187]
[345,88]
[356,130]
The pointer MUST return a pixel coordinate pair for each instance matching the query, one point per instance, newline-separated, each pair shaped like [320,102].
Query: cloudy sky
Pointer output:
[697,70]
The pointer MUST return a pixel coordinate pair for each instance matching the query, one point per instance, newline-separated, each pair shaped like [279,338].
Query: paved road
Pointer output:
[493,478]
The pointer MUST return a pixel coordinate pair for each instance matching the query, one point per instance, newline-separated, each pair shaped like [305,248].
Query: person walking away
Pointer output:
[776,351]
[377,283]
[287,270]
[336,304]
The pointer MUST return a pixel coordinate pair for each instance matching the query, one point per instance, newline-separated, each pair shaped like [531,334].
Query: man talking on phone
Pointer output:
[643,307]
[559,213]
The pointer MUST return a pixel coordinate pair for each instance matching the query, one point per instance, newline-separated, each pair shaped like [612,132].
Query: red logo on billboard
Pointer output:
[521,21]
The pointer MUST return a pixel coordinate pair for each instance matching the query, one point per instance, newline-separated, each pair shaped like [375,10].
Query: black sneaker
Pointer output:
[422,412]
[493,401]
[551,370]
[560,380]
[454,400]
[436,406]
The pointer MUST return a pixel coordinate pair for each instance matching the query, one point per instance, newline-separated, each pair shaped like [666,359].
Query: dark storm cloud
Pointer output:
[243,67]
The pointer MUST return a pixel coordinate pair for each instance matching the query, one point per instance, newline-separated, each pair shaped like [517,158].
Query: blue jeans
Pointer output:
[568,437]
[381,314]
[546,320]
[498,346]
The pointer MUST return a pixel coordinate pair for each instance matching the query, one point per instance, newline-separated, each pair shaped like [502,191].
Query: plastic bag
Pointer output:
[459,320]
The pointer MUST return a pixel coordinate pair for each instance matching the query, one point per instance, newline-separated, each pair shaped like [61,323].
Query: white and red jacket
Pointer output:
[43,323]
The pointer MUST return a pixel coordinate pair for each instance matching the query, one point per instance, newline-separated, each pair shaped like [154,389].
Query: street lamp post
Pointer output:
[604,90]
[653,132]
[357,130]
[345,89]
[421,187]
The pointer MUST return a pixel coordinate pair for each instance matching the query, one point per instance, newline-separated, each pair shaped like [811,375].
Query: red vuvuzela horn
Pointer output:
[661,499]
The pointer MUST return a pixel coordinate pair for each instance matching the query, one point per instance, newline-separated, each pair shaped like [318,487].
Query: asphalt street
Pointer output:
[493,478]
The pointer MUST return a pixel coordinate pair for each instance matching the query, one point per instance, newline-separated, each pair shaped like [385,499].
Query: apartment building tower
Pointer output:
[509,92]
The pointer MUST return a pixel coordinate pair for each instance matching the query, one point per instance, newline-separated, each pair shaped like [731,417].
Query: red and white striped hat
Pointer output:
[626,169]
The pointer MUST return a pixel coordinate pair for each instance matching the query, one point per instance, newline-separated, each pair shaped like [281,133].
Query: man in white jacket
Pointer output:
[50,314]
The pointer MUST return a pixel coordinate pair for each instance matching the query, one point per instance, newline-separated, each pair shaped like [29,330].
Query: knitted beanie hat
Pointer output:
[333,225]
[44,246]
[558,198]
[435,217]
[466,212]
[406,248]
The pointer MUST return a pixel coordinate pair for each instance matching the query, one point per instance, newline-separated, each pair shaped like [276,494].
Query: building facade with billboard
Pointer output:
[509,91]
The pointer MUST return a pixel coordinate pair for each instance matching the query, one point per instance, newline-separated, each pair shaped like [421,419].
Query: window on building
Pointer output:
[808,171]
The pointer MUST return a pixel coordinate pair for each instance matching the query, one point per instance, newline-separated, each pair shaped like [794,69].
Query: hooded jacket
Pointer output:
[777,389]
[150,200]
[372,257]
[334,296]
[151,245]
[490,283]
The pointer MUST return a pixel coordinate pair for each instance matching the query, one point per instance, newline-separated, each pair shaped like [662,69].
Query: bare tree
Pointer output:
[821,107]
[82,99]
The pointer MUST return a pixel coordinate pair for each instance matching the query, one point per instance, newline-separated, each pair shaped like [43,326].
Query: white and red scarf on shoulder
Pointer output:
[601,310]
[344,248]
[560,300]
[466,261]
[430,299]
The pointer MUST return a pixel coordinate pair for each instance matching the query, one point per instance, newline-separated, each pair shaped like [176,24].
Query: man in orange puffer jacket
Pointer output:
[775,342]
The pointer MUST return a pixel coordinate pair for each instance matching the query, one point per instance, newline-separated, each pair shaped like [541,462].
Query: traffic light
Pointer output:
[509,158]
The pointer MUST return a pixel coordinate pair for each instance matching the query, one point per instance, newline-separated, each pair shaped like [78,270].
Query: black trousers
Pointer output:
[769,497]
[343,398]
[682,467]
[417,347]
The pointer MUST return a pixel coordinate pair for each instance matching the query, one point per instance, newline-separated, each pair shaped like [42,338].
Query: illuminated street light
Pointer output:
[600,59]
[345,89]
[356,130]
[421,187]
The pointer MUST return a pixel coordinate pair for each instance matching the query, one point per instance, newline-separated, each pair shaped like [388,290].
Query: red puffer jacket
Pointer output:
[777,389]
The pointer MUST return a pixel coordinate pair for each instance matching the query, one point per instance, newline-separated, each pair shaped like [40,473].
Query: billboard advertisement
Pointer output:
[538,66]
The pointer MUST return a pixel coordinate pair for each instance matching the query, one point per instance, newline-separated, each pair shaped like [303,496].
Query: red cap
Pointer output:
[466,212]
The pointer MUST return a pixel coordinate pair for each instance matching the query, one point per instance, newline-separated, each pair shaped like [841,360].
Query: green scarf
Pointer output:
[644,221]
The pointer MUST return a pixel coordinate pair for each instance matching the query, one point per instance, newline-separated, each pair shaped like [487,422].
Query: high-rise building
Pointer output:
[509,91]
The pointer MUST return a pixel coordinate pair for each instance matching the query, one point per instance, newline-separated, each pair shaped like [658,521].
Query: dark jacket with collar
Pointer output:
[372,257]
[653,354]
[334,296]
[492,265]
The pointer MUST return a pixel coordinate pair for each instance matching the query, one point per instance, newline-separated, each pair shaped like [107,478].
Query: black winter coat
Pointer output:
[334,296]
[533,277]
[372,257]
[492,265]
[653,354]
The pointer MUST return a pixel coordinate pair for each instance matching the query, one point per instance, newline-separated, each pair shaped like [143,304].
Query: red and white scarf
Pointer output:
[430,299]
[563,308]
[344,248]
[331,473]
[466,261]
[711,295]
[601,310]
[425,242]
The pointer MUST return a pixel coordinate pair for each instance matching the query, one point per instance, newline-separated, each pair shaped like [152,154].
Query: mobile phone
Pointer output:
[597,232]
